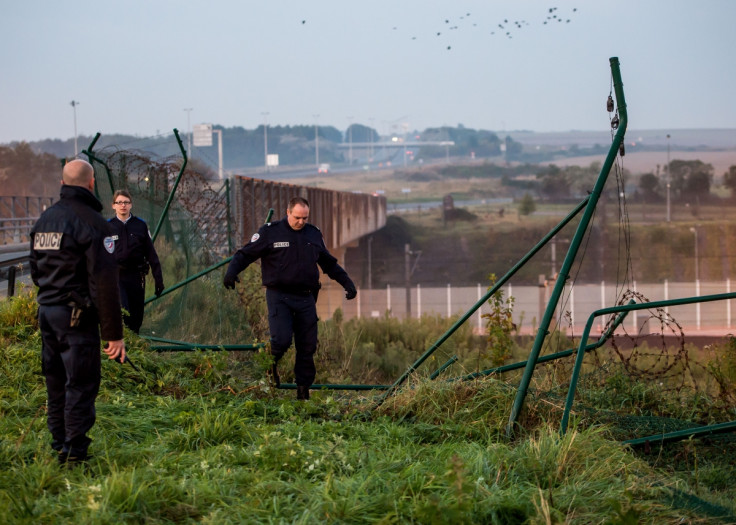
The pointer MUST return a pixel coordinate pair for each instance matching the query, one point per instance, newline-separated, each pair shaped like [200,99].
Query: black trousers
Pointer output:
[70,360]
[132,297]
[294,316]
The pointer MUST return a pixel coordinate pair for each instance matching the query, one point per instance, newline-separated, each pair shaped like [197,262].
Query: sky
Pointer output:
[145,67]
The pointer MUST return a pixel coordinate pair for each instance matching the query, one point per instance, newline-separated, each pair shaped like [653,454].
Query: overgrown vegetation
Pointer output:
[200,438]
[463,253]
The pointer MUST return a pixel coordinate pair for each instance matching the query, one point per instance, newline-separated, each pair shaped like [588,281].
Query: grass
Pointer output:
[201,438]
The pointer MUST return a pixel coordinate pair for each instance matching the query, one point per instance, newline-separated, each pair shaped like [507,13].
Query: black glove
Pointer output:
[159,288]
[230,280]
[350,293]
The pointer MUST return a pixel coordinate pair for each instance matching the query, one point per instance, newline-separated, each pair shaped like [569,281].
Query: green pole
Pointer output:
[199,274]
[94,141]
[441,369]
[684,434]
[572,252]
[483,299]
[92,156]
[173,190]
[189,279]
[623,308]
[193,347]
[292,386]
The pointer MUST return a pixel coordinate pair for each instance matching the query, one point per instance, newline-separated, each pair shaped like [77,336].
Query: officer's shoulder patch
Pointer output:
[109,244]
[255,237]
[47,240]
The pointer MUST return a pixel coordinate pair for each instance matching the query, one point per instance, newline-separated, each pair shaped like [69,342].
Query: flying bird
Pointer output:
[503,24]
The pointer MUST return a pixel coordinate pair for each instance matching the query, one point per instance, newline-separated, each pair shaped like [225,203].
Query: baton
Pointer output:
[126,360]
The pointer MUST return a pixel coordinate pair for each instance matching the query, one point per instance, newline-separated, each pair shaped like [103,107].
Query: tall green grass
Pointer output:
[201,438]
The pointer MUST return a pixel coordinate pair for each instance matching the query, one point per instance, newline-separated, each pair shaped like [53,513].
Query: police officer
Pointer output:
[134,252]
[73,266]
[290,251]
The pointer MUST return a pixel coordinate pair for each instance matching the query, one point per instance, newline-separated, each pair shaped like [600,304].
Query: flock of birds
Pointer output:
[505,28]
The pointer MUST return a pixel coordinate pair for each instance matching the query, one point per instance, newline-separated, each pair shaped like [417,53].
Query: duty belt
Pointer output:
[295,290]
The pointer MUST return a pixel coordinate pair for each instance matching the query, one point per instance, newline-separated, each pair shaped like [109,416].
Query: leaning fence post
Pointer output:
[11,281]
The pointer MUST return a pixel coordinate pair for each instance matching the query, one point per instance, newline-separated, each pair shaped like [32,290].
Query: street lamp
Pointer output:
[668,177]
[697,278]
[74,104]
[265,139]
[189,131]
[350,140]
[371,140]
[316,142]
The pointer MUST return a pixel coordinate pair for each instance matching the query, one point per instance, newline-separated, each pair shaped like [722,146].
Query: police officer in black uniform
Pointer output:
[134,252]
[290,251]
[72,264]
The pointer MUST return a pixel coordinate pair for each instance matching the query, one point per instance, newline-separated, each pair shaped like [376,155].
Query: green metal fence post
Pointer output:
[550,357]
[483,299]
[92,156]
[574,246]
[623,308]
[173,190]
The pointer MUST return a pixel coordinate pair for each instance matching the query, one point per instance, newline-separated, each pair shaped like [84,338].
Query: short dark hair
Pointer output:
[298,200]
[124,193]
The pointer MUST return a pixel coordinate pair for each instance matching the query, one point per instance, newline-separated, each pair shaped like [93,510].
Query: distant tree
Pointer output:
[513,149]
[361,133]
[729,180]
[554,182]
[698,183]
[527,206]
[691,178]
[482,143]
[582,178]
[649,186]
[25,172]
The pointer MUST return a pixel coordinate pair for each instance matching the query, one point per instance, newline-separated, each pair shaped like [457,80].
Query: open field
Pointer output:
[647,161]
[392,182]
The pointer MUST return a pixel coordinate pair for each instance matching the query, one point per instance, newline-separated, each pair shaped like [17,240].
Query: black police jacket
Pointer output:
[134,249]
[289,258]
[72,258]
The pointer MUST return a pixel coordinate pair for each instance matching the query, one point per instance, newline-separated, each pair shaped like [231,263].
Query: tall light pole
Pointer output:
[265,139]
[370,263]
[668,177]
[316,142]
[405,129]
[371,140]
[189,131]
[74,104]
[697,277]
[350,140]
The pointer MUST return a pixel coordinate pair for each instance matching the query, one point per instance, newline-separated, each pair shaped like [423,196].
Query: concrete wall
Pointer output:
[343,217]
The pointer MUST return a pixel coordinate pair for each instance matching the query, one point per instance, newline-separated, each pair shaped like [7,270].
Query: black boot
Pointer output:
[273,375]
[71,459]
[302,392]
